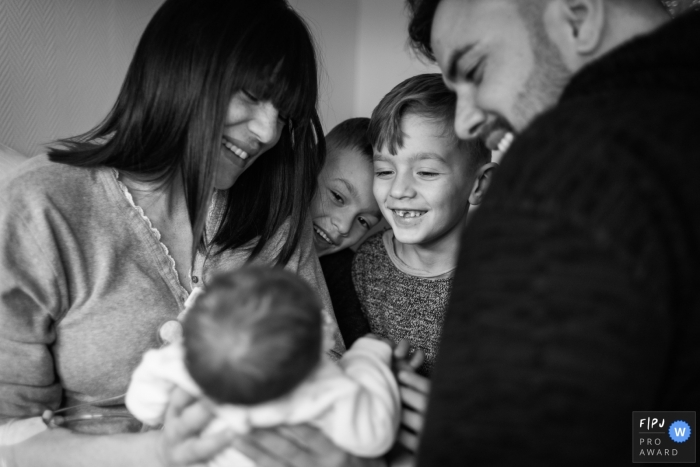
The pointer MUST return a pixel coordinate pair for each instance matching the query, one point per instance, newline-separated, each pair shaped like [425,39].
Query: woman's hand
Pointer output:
[297,446]
[180,443]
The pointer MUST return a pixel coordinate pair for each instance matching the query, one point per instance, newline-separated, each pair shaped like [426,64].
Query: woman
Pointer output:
[207,160]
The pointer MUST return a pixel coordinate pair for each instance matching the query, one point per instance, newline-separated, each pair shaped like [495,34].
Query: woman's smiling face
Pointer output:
[343,209]
[251,127]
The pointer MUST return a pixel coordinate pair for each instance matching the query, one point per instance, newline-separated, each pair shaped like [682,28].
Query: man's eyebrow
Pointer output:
[454,59]
[350,187]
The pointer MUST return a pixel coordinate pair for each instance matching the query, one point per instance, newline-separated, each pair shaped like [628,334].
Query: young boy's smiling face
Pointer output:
[343,209]
[423,190]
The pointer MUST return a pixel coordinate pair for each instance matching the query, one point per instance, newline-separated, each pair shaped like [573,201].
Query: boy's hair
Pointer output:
[253,335]
[351,134]
[426,96]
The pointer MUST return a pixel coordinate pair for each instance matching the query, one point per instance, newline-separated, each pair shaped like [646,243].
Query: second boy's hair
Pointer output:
[351,134]
[424,95]
[253,335]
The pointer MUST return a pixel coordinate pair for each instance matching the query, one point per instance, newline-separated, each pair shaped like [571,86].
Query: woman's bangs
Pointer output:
[277,63]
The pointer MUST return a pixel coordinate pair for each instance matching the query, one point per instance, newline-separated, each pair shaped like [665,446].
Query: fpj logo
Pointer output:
[663,437]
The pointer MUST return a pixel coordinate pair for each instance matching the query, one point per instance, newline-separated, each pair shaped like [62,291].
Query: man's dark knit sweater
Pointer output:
[577,294]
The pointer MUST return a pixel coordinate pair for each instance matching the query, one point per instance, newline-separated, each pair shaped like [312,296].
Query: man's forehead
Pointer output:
[461,23]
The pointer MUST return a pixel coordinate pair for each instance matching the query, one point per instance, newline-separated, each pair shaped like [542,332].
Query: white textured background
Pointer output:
[62,63]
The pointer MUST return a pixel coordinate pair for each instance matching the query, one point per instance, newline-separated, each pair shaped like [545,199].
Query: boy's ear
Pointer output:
[481,182]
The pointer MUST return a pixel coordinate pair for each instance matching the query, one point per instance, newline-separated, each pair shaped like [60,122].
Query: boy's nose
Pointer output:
[402,187]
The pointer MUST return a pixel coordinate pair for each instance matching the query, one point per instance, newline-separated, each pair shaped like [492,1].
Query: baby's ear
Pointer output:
[481,182]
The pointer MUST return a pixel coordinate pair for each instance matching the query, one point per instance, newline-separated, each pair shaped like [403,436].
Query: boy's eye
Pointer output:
[364,223]
[383,173]
[337,197]
[428,174]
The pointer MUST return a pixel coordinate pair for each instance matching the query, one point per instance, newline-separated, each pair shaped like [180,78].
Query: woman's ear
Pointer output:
[482,182]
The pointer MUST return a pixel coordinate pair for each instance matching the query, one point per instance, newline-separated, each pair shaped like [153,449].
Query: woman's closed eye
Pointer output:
[473,75]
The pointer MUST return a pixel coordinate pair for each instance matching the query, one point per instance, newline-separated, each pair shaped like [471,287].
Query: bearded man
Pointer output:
[577,295]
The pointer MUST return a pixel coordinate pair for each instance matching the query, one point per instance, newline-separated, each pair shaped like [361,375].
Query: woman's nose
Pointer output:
[265,124]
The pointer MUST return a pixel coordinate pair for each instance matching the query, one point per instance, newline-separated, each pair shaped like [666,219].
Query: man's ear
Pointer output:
[482,182]
[578,28]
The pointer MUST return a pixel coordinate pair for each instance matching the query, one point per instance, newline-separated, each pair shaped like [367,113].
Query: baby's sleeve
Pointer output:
[160,371]
[365,421]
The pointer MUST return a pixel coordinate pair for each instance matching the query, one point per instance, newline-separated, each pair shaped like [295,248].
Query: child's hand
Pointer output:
[414,390]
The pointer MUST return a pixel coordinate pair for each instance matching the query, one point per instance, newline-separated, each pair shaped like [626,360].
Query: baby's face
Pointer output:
[423,190]
[343,209]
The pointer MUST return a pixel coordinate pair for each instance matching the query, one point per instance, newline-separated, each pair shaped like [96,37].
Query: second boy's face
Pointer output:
[423,190]
[343,209]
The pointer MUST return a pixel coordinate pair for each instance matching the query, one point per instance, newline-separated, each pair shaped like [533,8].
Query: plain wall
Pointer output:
[383,57]
[62,63]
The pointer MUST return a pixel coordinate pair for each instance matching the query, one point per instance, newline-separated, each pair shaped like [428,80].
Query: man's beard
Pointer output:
[543,87]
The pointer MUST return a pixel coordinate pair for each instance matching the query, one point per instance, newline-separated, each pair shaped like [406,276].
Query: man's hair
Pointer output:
[422,13]
[350,134]
[425,96]
[253,335]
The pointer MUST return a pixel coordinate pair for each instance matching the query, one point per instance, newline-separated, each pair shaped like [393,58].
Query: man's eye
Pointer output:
[471,76]
[364,223]
[337,197]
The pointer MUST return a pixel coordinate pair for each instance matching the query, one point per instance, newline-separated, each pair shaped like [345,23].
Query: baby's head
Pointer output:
[425,177]
[344,209]
[253,335]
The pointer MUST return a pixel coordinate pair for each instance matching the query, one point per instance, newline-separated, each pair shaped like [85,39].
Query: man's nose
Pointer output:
[469,118]
[265,122]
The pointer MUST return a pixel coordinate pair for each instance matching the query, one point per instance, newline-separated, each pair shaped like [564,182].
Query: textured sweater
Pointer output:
[85,284]
[577,292]
[397,304]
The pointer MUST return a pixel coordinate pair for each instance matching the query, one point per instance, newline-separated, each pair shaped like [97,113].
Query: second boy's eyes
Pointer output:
[337,197]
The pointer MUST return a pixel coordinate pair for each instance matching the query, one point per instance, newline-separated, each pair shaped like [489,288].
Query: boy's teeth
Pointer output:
[234,149]
[323,235]
[506,141]
[409,213]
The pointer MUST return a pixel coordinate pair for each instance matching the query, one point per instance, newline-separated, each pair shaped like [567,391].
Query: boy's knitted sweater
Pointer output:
[397,302]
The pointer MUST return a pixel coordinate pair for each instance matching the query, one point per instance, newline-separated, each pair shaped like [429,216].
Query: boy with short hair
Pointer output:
[344,209]
[425,181]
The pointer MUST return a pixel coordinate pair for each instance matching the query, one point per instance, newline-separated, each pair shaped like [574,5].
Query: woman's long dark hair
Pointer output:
[170,113]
